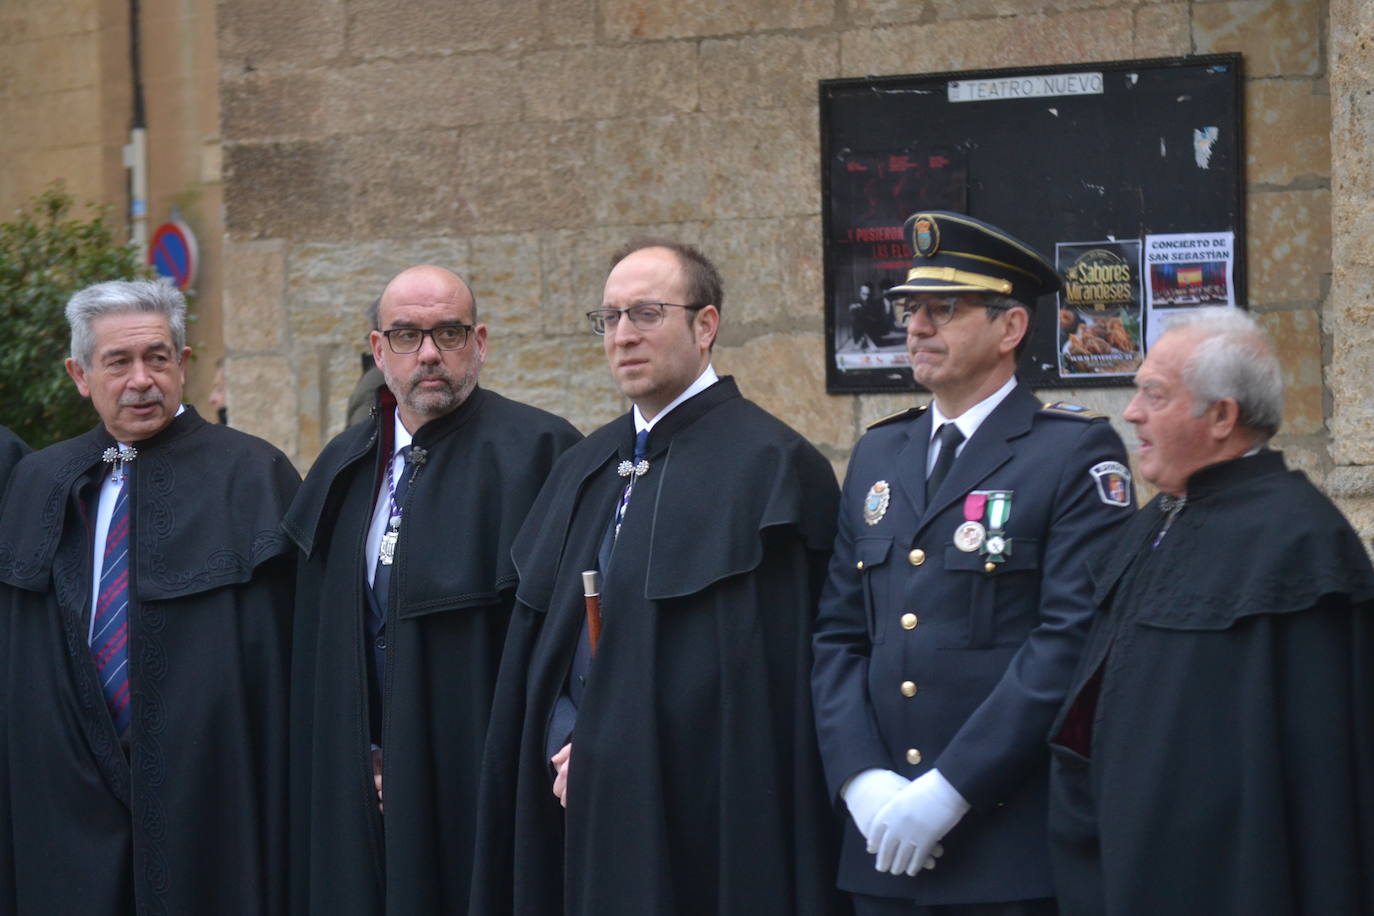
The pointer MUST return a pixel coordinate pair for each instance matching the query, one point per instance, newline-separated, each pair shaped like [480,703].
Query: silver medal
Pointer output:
[969,536]
[386,553]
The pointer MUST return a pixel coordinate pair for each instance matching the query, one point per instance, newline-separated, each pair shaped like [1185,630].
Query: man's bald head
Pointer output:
[427,342]
[420,278]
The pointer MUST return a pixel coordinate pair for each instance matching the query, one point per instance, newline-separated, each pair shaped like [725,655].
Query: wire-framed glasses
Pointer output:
[643,315]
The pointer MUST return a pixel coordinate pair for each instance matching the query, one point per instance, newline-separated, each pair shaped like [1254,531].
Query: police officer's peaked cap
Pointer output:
[954,253]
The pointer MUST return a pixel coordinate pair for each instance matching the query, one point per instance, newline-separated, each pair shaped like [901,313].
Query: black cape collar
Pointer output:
[180,553]
[302,522]
[1252,538]
[1216,477]
[682,416]
[708,537]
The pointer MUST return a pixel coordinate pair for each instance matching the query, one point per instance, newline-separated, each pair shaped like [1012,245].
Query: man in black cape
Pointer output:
[1215,754]
[145,613]
[12,448]
[405,524]
[682,745]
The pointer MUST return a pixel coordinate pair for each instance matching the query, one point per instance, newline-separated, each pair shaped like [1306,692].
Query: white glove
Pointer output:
[907,830]
[865,794]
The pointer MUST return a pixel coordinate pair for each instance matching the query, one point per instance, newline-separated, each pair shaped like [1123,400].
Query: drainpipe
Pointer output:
[136,150]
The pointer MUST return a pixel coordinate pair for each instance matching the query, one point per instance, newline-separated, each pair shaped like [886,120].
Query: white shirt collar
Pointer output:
[401,437]
[704,381]
[969,421]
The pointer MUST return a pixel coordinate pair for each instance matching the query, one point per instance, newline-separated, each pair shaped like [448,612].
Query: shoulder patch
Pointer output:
[910,413]
[1113,481]
[1069,409]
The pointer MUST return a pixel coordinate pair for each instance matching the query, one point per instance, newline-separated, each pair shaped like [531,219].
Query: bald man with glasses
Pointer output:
[957,599]
[404,525]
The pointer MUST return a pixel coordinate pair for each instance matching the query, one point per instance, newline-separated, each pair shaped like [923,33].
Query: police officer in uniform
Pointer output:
[957,599]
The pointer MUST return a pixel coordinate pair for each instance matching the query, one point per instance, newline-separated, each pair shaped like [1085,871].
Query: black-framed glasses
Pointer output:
[940,311]
[410,340]
[643,315]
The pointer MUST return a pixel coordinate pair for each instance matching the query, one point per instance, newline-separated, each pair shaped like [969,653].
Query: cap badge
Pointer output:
[876,502]
[925,236]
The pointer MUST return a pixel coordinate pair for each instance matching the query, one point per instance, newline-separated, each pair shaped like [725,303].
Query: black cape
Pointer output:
[696,784]
[453,586]
[12,448]
[1216,754]
[193,820]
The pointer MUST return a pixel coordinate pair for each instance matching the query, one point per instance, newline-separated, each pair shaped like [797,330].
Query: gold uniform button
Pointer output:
[860,565]
[916,557]
[908,621]
[913,756]
[989,567]
[908,688]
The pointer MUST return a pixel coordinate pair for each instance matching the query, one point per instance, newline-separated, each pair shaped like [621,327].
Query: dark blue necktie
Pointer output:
[613,530]
[110,633]
[949,437]
[381,577]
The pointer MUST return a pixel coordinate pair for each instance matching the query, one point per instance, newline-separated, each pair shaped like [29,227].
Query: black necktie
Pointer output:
[949,437]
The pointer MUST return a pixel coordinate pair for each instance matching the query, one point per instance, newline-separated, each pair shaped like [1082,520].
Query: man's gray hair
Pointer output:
[1233,359]
[122,297]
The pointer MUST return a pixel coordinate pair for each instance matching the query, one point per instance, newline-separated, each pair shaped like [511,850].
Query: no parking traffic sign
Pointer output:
[173,254]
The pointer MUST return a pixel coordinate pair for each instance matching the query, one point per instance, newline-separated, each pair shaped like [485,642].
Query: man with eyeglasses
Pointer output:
[957,598]
[659,754]
[405,590]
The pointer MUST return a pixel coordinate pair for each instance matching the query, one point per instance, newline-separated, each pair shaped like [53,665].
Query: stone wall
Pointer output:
[1350,321]
[520,141]
[64,99]
[66,108]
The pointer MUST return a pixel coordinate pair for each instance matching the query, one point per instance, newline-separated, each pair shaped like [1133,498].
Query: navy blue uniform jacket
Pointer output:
[990,653]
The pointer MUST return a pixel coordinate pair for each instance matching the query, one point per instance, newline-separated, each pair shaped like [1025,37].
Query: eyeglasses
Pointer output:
[410,340]
[939,312]
[643,315]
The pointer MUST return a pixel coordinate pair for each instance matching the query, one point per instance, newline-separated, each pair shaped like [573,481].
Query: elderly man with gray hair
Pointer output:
[145,615]
[1216,752]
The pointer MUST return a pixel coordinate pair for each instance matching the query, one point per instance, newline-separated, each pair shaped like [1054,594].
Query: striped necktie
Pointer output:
[110,633]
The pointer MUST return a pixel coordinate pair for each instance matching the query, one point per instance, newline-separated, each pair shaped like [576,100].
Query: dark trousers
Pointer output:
[865,905]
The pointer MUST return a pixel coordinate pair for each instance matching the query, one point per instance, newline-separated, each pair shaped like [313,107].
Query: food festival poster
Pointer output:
[1100,309]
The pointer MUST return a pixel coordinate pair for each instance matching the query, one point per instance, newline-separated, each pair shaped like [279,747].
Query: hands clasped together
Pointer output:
[904,820]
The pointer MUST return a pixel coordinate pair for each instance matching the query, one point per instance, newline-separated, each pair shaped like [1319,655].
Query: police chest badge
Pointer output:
[1113,481]
[875,503]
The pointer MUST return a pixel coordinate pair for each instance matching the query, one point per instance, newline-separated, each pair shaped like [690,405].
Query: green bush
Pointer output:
[46,255]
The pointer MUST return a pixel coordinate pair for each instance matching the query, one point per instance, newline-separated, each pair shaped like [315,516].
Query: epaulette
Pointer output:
[1068,409]
[909,413]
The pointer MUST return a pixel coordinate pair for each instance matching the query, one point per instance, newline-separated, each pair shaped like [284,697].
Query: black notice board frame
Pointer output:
[1065,168]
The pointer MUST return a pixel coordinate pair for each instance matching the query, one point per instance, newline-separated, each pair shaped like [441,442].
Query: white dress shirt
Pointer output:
[707,378]
[381,512]
[104,511]
[967,422]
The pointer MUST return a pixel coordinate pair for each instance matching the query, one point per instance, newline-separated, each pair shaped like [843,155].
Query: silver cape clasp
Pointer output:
[119,457]
[626,468]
